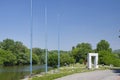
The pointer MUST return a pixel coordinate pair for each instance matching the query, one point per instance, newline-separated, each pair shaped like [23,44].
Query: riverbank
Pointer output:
[63,71]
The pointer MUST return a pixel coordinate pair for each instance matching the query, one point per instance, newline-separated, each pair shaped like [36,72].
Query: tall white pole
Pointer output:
[46,50]
[31,35]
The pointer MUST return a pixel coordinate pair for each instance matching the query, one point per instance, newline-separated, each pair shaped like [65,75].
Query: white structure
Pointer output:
[89,60]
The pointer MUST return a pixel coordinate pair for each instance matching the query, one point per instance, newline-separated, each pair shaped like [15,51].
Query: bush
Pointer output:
[53,60]
[107,58]
[66,59]
[81,61]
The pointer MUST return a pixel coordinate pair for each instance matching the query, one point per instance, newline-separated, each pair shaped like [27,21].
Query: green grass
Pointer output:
[64,71]
[51,76]
[67,70]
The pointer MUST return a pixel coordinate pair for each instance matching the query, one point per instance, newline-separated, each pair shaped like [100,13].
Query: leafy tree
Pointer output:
[66,59]
[35,59]
[22,58]
[81,50]
[103,45]
[19,48]
[7,44]
[104,57]
[40,53]
[14,47]
[20,51]
[53,59]
[7,58]
[105,54]
[107,58]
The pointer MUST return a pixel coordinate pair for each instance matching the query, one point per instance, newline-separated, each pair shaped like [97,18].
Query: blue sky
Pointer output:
[79,21]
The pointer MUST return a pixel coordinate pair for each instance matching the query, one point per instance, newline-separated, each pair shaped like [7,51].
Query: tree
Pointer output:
[103,45]
[22,59]
[15,49]
[40,53]
[20,51]
[104,57]
[105,54]
[66,59]
[53,59]
[19,48]
[7,44]
[35,59]
[81,51]
[7,58]
[107,58]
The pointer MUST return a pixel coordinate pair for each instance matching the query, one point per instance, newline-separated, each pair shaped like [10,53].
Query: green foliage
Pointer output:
[40,53]
[104,57]
[105,54]
[35,59]
[103,48]
[66,59]
[7,58]
[81,61]
[107,58]
[19,48]
[15,53]
[81,50]
[53,59]
[7,44]
[22,58]
[103,45]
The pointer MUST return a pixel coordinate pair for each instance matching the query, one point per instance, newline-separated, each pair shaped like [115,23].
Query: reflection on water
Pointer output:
[18,72]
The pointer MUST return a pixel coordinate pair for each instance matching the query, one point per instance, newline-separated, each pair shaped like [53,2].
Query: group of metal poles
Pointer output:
[46,50]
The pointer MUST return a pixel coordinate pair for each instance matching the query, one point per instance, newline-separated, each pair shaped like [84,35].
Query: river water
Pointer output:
[18,72]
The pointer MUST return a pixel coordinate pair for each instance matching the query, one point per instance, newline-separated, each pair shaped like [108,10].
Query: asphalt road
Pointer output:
[94,75]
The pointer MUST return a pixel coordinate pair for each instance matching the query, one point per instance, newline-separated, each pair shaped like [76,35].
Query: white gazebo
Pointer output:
[89,60]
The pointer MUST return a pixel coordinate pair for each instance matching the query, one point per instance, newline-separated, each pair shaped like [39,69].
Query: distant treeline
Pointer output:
[16,53]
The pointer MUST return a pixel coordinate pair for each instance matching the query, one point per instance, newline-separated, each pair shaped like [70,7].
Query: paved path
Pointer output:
[94,75]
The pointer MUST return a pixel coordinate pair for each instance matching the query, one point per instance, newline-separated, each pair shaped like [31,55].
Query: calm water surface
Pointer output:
[18,72]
